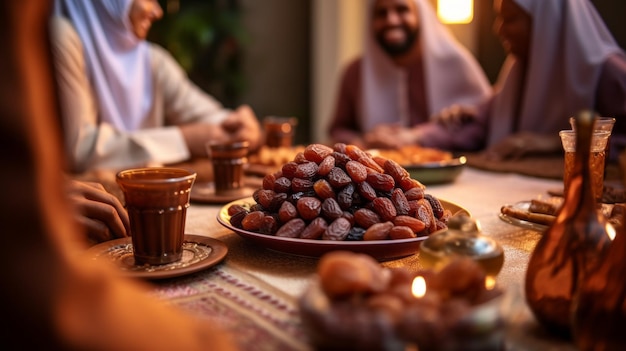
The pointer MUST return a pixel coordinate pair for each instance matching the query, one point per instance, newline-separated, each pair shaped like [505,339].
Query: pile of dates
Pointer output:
[341,193]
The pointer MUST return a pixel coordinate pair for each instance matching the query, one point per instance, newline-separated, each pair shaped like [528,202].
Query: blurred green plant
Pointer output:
[207,38]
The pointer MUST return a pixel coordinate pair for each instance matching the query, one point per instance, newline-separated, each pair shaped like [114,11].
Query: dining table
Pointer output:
[253,292]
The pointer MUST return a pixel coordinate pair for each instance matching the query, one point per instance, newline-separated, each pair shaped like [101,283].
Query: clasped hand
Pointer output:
[456,116]
[100,212]
[389,136]
[240,125]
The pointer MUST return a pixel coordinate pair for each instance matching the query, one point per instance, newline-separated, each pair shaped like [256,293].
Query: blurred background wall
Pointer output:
[285,57]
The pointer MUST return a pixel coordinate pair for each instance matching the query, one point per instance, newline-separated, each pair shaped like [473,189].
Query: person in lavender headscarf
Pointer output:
[412,69]
[562,59]
[126,102]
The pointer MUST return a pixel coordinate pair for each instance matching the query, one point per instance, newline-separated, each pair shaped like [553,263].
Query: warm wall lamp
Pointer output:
[455,11]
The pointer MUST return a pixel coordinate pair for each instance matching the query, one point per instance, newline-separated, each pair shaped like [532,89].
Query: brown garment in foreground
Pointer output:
[51,298]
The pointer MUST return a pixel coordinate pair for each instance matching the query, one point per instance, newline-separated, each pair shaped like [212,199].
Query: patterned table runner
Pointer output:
[258,316]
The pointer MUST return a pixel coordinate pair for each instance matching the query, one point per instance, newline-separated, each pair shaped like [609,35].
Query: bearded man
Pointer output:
[411,71]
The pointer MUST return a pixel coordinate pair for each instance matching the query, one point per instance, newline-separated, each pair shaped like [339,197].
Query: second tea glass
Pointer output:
[597,158]
[228,161]
[279,131]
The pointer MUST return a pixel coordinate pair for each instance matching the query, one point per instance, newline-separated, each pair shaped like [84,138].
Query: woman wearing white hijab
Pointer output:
[388,96]
[126,102]
[562,59]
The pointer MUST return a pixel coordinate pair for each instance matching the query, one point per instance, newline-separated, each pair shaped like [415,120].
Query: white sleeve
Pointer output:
[183,101]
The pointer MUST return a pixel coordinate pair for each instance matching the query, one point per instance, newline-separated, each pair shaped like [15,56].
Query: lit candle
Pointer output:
[422,322]
[490,282]
[610,231]
[418,288]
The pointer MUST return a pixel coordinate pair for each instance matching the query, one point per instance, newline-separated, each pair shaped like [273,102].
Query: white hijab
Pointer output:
[568,47]
[118,63]
[452,75]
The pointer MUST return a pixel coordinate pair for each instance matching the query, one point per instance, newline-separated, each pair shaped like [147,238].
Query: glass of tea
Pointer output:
[597,158]
[279,131]
[228,161]
[156,199]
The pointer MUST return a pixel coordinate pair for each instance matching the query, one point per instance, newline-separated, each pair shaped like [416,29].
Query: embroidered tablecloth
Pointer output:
[258,316]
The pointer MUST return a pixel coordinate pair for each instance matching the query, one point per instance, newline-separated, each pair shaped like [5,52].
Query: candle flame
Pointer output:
[490,283]
[419,287]
[610,231]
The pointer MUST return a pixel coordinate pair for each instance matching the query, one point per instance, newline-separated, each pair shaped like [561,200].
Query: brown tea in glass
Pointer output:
[156,200]
[600,123]
[597,159]
[228,161]
[279,131]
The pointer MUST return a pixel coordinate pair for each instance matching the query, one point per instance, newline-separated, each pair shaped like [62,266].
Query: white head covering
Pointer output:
[568,47]
[118,62]
[451,74]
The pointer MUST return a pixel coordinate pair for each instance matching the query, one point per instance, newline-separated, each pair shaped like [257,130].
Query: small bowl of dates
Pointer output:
[356,304]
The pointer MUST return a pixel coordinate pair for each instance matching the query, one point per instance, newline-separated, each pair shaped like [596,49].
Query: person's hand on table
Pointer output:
[389,136]
[523,144]
[243,125]
[100,212]
[455,116]
[240,125]
[380,137]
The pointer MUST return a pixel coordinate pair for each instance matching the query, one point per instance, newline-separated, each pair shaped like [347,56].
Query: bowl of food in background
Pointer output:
[428,165]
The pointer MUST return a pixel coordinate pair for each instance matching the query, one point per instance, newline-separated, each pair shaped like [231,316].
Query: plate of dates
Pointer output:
[339,198]
[381,250]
